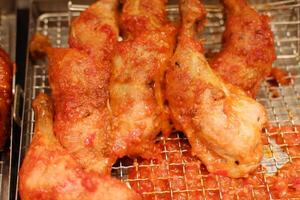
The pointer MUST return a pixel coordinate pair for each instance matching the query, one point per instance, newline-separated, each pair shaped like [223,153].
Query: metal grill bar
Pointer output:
[282,110]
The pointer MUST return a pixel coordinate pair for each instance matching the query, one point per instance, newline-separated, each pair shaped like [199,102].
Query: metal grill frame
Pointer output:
[282,110]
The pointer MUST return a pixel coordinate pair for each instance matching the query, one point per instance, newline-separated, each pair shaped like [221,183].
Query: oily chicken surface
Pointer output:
[136,96]
[6,68]
[248,47]
[222,123]
[50,172]
[79,78]
[81,121]
[96,31]
[142,15]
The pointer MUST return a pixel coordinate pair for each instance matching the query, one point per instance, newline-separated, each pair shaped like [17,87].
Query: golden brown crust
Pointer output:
[79,78]
[136,93]
[38,46]
[222,124]
[248,47]
[82,119]
[96,31]
[50,172]
[142,15]
[6,72]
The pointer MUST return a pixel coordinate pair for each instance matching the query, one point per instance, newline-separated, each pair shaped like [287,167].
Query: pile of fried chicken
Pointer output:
[112,98]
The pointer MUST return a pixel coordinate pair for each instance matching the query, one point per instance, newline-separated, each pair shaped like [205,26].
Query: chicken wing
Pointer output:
[136,96]
[248,47]
[222,123]
[50,172]
[6,69]
[79,79]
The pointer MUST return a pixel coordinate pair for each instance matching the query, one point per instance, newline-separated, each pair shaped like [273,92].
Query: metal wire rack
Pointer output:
[7,42]
[283,109]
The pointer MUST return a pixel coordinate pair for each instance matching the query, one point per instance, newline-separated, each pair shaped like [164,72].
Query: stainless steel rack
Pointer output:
[283,109]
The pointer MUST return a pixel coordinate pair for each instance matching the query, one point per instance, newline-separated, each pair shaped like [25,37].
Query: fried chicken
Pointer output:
[222,123]
[79,78]
[248,47]
[142,15]
[50,172]
[154,182]
[6,70]
[38,46]
[136,93]
[96,31]
[81,122]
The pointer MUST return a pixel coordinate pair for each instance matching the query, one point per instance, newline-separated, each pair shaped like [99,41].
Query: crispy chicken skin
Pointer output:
[38,46]
[82,119]
[79,79]
[50,172]
[96,31]
[136,95]
[6,68]
[222,123]
[248,47]
[140,15]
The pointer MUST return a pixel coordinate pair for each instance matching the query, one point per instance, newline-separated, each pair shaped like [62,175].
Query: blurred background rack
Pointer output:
[51,18]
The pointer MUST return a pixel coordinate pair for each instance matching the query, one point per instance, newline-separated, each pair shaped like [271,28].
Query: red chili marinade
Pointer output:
[189,179]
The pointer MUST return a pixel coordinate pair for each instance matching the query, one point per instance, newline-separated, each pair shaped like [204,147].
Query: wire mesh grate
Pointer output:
[180,175]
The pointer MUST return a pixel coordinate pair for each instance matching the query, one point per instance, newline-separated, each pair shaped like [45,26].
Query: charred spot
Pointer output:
[237,162]
[241,37]
[217,94]
[151,83]
[165,75]
[258,32]
[177,64]
[166,103]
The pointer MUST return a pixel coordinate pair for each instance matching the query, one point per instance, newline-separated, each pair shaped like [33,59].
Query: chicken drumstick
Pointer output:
[50,172]
[248,47]
[79,78]
[136,96]
[222,123]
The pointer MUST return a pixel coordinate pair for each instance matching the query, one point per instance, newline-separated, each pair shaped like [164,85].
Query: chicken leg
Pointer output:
[96,31]
[248,47]
[50,172]
[136,95]
[79,78]
[82,120]
[222,124]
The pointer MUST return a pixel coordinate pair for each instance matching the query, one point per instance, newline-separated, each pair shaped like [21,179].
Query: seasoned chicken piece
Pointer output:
[79,79]
[38,46]
[142,15]
[222,123]
[50,172]
[6,70]
[248,47]
[96,31]
[82,119]
[136,96]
